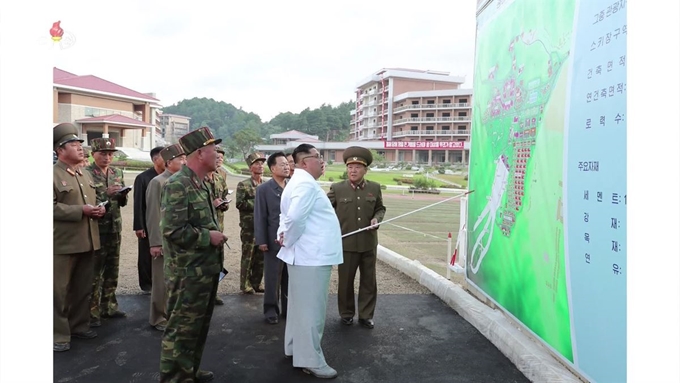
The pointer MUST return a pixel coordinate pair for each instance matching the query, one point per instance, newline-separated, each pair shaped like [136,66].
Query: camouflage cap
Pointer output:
[197,139]
[86,152]
[357,155]
[63,133]
[220,149]
[254,157]
[103,145]
[172,152]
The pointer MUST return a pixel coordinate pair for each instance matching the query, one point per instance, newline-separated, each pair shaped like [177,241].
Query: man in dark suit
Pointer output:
[358,204]
[139,221]
[266,218]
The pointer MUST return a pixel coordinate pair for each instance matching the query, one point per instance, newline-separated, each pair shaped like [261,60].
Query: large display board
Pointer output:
[546,224]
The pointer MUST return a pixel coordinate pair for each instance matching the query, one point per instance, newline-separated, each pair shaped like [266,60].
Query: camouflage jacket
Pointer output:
[112,221]
[218,189]
[187,216]
[245,202]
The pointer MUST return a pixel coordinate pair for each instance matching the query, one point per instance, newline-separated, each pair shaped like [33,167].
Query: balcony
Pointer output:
[431,119]
[411,133]
[430,106]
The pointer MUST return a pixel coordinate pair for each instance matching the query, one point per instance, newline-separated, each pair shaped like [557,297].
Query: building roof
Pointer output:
[413,74]
[116,119]
[293,135]
[434,93]
[94,84]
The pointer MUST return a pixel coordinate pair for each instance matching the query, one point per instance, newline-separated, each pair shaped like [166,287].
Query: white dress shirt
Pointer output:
[310,227]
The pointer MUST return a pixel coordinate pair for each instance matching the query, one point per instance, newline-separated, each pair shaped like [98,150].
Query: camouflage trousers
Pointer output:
[191,300]
[252,263]
[105,282]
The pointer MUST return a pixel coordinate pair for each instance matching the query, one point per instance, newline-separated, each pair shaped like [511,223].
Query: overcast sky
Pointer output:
[266,57]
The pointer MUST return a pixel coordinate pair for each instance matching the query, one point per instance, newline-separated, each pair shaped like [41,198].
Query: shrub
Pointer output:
[383,187]
[408,167]
[403,180]
[331,179]
[344,175]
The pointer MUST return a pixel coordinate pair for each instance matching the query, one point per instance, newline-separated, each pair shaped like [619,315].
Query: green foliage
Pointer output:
[424,183]
[344,175]
[225,120]
[401,181]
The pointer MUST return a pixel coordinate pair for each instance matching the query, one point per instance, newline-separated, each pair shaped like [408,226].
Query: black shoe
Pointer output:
[347,321]
[115,314]
[203,376]
[272,320]
[219,301]
[368,323]
[61,346]
[95,323]
[89,334]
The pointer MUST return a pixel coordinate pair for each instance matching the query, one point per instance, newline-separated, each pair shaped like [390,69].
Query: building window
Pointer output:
[414,128]
[446,101]
[429,114]
[463,100]
[430,102]
[415,102]
[462,114]
[429,128]
[461,140]
[446,115]
[414,115]
[446,127]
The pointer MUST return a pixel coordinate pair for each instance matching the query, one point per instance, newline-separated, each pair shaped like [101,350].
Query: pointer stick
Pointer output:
[409,213]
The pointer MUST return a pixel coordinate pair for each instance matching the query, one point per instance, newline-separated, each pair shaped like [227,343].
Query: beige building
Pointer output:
[173,126]
[419,116]
[100,108]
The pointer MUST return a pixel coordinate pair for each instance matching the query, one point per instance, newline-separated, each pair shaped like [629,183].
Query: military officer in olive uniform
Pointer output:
[193,253]
[252,258]
[108,181]
[76,238]
[358,204]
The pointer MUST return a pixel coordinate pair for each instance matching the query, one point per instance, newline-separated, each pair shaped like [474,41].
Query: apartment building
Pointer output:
[421,116]
[173,126]
[101,108]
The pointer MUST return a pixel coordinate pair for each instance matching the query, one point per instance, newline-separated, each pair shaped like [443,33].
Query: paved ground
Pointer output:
[417,338]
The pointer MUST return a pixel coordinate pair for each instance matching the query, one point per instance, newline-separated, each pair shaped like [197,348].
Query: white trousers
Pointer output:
[307,300]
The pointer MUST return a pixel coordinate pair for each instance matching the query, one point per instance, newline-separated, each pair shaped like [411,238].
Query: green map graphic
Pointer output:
[515,243]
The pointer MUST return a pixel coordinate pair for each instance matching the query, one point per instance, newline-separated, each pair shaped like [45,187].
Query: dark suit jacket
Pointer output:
[266,215]
[139,189]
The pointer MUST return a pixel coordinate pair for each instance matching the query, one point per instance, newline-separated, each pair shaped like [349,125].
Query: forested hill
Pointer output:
[328,122]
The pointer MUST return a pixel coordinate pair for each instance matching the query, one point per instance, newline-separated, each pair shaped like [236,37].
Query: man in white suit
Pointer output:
[311,243]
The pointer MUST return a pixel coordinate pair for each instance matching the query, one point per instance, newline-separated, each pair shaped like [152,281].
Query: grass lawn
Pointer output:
[382,177]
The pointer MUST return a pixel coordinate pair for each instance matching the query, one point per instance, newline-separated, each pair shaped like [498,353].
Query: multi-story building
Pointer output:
[173,126]
[420,116]
[101,108]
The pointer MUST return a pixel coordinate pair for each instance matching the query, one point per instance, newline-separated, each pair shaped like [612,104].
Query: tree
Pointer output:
[244,140]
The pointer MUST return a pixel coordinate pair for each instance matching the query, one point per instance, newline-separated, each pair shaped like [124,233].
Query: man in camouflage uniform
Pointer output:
[193,254]
[108,182]
[217,184]
[252,259]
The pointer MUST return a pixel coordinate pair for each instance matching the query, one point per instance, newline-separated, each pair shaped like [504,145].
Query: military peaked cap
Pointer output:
[103,145]
[220,149]
[63,133]
[198,139]
[171,152]
[254,157]
[357,155]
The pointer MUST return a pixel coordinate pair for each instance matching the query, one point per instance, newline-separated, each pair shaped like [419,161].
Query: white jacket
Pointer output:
[310,227]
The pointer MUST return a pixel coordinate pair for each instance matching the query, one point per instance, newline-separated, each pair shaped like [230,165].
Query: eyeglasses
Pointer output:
[317,156]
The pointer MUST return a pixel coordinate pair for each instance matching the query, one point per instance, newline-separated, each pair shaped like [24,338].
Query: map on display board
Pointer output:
[547,222]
